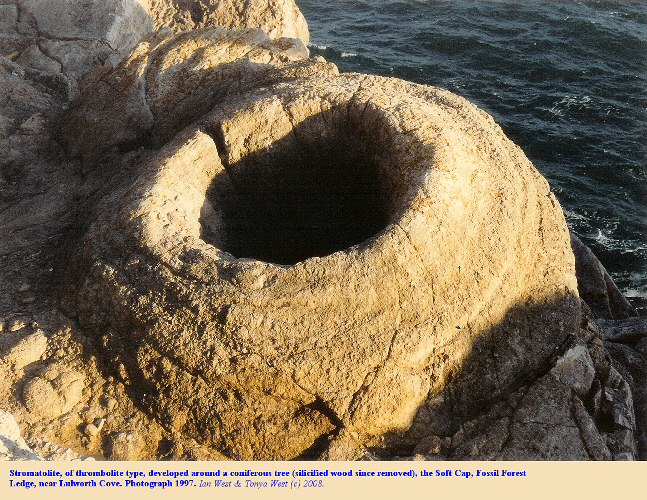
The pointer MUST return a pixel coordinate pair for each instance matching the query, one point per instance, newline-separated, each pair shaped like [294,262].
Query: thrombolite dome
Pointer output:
[320,264]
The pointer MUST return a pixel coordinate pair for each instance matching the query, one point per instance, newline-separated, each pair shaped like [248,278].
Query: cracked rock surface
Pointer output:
[70,36]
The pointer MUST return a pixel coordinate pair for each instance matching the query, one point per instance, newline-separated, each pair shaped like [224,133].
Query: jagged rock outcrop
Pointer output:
[581,409]
[278,267]
[277,18]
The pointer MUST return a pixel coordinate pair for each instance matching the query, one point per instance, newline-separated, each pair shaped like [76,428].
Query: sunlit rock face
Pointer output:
[71,37]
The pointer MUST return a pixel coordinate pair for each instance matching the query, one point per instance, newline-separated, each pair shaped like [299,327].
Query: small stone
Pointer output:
[24,288]
[54,392]
[29,299]
[91,430]
[99,423]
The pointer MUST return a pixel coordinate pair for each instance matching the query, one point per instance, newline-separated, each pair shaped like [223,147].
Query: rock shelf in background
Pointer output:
[276,270]
[277,18]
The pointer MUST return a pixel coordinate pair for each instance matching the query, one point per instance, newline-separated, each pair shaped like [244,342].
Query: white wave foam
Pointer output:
[348,54]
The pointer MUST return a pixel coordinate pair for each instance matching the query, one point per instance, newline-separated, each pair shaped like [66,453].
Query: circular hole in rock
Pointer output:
[315,191]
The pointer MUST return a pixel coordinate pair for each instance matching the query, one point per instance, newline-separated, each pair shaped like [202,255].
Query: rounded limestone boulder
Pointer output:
[327,263]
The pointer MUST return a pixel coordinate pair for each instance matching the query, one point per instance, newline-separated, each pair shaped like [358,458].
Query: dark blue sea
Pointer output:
[567,81]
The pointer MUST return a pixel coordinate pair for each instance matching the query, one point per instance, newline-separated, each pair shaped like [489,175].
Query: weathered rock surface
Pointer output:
[12,444]
[596,287]
[581,410]
[14,447]
[70,36]
[167,82]
[277,18]
[54,392]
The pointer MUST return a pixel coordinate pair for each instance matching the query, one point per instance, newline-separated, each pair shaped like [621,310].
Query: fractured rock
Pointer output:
[596,287]
[71,36]
[125,446]
[575,369]
[12,444]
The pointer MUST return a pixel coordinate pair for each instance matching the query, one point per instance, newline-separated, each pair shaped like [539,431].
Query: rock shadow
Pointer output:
[325,186]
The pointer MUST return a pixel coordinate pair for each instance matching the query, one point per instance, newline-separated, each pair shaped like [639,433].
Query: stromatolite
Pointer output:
[318,264]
